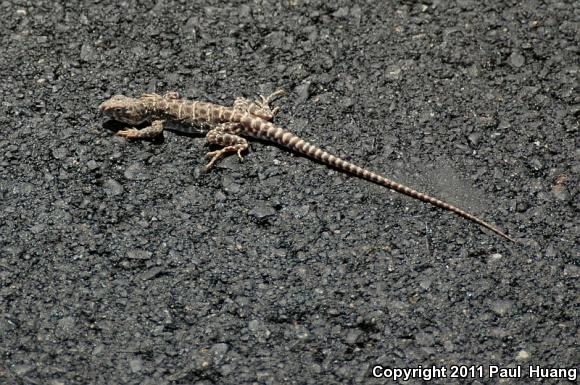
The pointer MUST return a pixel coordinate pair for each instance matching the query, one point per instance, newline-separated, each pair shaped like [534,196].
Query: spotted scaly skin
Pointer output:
[228,127]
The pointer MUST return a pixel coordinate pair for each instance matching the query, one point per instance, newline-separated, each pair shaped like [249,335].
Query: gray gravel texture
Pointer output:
[124,263]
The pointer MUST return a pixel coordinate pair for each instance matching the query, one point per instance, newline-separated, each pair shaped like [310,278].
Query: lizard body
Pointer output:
[228,127]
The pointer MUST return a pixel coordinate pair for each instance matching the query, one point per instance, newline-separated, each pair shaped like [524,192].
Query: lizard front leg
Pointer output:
[149,132]
[261,107]
[225,135]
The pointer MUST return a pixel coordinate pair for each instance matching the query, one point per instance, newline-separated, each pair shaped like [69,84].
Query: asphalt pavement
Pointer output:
[123,262]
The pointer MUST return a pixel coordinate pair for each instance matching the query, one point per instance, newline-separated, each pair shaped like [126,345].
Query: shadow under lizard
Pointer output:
[228,127]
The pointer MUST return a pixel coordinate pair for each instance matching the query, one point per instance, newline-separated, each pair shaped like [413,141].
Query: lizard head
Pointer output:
[125,109]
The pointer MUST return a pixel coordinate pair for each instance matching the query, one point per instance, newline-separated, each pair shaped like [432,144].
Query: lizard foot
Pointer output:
[261,107]
[264,102]
[131,133]
[149,132]
[216,155]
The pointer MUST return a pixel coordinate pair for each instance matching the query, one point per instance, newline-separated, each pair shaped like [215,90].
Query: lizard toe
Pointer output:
[130,133]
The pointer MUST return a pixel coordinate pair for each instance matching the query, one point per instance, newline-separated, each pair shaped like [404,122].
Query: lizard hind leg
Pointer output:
[225,135]
[261,107]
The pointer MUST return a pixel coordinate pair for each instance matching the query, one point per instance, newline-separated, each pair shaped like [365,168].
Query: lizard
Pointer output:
[229,127]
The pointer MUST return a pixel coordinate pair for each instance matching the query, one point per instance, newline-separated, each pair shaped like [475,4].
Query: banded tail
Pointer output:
[268,131]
